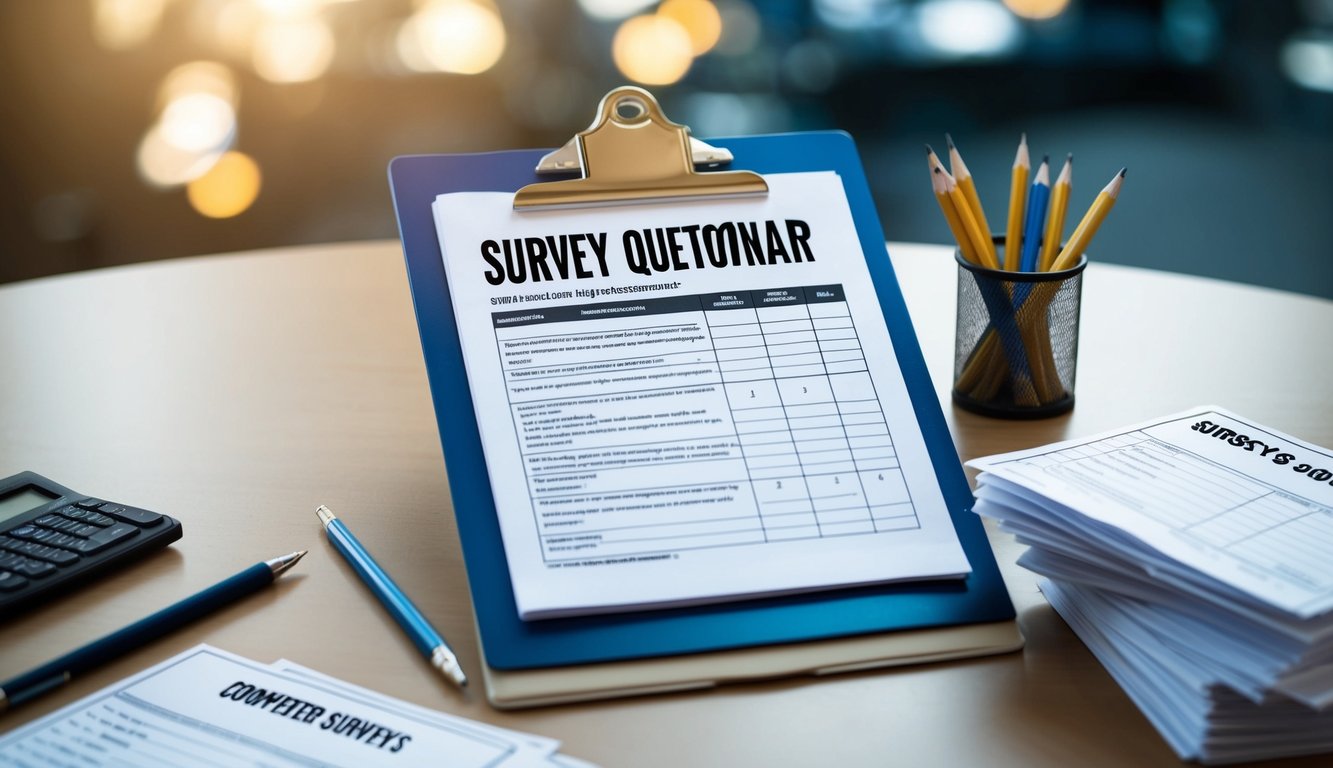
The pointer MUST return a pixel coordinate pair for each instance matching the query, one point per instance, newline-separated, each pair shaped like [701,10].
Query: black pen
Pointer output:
[54,674]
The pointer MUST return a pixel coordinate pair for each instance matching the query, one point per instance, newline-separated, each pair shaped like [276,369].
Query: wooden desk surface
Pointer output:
[238,392]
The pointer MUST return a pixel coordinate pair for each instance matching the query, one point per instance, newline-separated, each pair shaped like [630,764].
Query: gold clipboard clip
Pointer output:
[633,154]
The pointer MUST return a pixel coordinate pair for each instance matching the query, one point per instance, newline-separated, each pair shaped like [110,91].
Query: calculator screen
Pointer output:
[22,500]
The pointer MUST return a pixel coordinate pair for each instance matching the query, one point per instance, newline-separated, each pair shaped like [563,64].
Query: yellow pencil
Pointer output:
[1018,198]
[941,189]
[970,225]
[964,179]
[1078,242]
[1055,221]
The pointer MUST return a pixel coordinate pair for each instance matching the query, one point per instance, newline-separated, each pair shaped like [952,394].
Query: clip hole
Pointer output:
[630,109]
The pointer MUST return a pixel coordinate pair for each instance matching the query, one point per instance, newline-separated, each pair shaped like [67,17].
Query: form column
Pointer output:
[761,423]
[874,459]
[812,412]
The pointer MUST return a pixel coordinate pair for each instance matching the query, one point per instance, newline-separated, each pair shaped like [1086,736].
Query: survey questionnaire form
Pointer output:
[689,402]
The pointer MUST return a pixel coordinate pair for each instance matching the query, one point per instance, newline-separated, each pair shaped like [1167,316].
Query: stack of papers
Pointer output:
[1194,557]
[210,707]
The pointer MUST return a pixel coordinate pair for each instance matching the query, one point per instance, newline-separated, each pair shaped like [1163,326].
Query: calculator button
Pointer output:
[91,503]
[49,521]
[11,581]
[64,541]
[105,538]
[13,545]
[98,519]
[24,532]
[76,528]
[49,554]
[33,569]
[88,516]
[43,535]
[140,517]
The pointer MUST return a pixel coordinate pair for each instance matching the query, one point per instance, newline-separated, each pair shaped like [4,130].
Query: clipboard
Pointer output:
[531,663]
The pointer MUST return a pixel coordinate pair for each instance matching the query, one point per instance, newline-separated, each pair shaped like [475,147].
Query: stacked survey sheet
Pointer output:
[209,707]
[1194,556]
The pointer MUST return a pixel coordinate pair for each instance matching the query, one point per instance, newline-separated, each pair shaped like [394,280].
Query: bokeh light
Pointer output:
[1037,9]
[228,189]
[122,24]
[653,50]
[198,122]
[1309,62]
[208,77]
[609,10]
[162,164]
[700,18]
[292,50]
[963,28]
[457,36]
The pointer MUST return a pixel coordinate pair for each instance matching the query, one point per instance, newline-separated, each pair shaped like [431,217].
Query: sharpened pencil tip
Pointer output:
[1122,172]
[929,151]
[949,140]
[1045,159]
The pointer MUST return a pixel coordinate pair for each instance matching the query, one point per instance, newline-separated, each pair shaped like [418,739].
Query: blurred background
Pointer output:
[135,130]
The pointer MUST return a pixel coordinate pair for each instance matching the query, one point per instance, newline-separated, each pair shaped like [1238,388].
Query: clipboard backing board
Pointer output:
[565,659]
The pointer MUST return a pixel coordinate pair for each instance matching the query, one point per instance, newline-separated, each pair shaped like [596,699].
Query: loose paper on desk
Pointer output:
[209,707]
[689,402]
[1248,511]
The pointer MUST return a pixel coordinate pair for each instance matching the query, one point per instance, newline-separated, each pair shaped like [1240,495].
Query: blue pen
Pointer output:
[1036,217]
[52,675]
[418,629]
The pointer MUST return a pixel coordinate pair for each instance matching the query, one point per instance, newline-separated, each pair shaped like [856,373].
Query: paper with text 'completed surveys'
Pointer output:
[211,708]
[689,402]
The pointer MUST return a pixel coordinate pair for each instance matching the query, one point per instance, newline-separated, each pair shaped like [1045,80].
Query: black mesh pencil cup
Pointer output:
[1016,342]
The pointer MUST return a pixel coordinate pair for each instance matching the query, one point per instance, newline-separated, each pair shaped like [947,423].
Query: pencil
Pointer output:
[970,225]
[941,189]
[1018,191]
[1078,242]
[1036,216]
[1055,222]
[964,179]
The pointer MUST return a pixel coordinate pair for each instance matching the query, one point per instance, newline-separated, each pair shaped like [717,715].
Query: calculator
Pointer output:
[54,539]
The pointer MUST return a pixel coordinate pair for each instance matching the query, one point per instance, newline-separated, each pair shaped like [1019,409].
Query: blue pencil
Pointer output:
[54,674]
[1036,217]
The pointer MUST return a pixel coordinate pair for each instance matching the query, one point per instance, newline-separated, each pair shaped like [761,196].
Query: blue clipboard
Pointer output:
[510,643]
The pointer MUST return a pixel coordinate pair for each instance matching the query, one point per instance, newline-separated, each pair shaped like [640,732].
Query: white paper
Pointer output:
[1215,496]
[649,443]
[207,707]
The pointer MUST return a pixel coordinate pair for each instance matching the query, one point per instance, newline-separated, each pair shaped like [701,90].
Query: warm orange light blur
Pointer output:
[459,36]
[653,50]
[1037,9]
[700,18]
[293,50]
[228,189]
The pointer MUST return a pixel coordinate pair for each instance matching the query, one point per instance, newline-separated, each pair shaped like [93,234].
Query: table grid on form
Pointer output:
[775,431]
